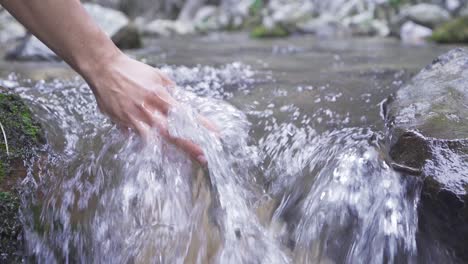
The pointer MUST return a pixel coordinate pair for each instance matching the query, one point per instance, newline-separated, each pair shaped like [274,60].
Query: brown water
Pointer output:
[299,175]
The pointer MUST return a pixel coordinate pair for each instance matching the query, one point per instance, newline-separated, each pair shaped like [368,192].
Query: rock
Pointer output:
[24,137]
[454,31]
[428,15]
[364,24]
[452,5]
[412,33]
[10,29]
[290,13]
[429,131]
[165,28]
[325,25]
[111,22]
[264,32]
[128,37]
[206,19]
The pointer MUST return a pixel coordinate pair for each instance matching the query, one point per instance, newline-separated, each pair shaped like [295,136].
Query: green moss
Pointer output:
[455,31]
[264,32]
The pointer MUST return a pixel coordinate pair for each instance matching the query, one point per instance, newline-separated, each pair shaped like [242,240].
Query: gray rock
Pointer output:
[413,33]
[290,13]
[364,24]
[325,25]
[428,15]
[429,131]
[111,21]
[452,5]
[164,28]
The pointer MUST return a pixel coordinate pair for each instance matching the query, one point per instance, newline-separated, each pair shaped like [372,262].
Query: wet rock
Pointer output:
[454,31]
[428,15]
[128,37]
[23,136]
[412,33]
[429,121]
[111,21]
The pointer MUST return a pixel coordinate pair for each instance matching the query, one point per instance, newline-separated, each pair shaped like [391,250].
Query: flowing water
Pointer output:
[298,174]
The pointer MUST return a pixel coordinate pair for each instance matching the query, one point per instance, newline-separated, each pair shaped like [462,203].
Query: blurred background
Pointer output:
[412,21]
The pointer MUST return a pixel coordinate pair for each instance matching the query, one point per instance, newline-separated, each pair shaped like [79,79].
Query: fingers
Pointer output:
[153,113]
[160,122]
[161,100]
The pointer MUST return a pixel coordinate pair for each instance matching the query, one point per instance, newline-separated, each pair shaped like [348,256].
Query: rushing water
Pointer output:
[298,173]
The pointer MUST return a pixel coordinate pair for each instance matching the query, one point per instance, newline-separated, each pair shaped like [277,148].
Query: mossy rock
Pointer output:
[24,136]
[10,229]
[455,31]
[264,32]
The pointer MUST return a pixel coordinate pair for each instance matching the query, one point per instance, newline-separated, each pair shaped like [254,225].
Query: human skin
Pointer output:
[133,94]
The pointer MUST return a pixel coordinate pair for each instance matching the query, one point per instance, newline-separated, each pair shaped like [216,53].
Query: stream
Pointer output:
[299,173]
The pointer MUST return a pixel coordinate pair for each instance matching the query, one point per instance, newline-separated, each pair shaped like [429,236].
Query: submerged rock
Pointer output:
[455,31]
[429,121]
[109,20]
[23,136]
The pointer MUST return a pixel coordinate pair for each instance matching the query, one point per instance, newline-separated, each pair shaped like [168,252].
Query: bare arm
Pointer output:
[133,94]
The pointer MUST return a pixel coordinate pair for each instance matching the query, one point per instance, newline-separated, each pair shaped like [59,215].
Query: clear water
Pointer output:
[298,174]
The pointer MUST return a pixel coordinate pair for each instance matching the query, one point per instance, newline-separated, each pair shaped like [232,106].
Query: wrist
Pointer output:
[94,64]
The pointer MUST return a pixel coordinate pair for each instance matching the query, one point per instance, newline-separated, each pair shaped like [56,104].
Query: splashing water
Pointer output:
[293,195]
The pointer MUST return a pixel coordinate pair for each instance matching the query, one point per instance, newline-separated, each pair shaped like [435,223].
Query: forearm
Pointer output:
[66,28]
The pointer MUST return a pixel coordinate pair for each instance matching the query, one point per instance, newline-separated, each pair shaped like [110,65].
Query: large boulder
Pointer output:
[429,139]
[109,20]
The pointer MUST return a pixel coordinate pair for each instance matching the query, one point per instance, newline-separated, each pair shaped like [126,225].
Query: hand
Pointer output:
[134,95]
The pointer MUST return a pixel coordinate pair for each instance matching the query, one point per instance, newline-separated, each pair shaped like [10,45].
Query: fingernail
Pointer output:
[202,160]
